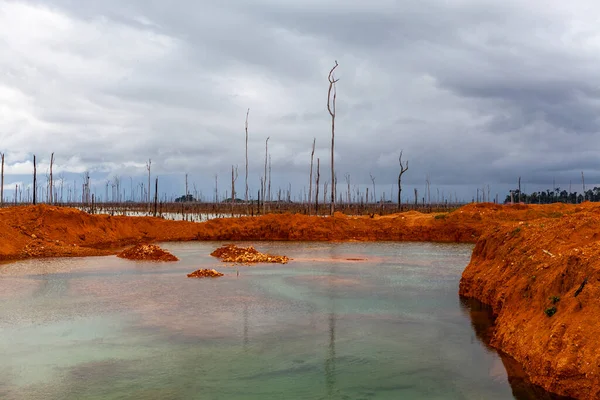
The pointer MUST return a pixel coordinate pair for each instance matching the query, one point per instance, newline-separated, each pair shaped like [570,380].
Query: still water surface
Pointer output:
[341,321]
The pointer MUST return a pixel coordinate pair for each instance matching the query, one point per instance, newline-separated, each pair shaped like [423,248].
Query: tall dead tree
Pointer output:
[148,166]
[317,186]
[373,194]
[186,188]
[246,195]
[264,185]
[520,190]
[331,110]
[234,176]
[2,180]
[34,181]
[310,179]
[216,188]
[583,185]
[155,196]
[51,185]
[403,169]
[269,188]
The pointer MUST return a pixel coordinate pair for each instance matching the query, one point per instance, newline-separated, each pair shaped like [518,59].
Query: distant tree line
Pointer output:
[553,196]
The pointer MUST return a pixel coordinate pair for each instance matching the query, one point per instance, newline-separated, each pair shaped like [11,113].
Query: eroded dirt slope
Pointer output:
[542,278]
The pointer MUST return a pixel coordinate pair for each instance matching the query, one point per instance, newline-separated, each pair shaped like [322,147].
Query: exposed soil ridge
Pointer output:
[542,279]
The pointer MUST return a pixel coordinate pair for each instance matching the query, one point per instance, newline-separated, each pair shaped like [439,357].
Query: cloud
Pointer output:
[474,92]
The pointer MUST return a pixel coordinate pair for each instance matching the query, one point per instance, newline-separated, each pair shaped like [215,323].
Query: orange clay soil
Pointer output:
[529,270]
[246,255]
[148,252]
[205,273]
[527,259]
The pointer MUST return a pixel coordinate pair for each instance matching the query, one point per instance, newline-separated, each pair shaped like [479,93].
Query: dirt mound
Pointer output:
[246,255]
[205,273]
[149,252]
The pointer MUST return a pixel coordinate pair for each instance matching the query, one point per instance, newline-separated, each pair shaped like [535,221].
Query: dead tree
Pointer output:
[34,181]
[269,188]
[148,165]
[246,196]
[428,192]
[2,180]
[325,192]
[349,200]
[264,185]
[403,169]
[331,110]
[155,196]
[583,185]
[51,185]
[317,186]
[216,188]
[373,195]
[520,190]
[186,188]
[234,176]
[310,179]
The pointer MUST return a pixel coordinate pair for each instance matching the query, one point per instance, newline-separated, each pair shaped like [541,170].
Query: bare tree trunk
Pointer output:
[34,181]
[520,190]
[51,185]
[403,169]
[216,188]
[416,196]
[186,187]
[583,185]
[246,196]
[325,192]
[265,180]
[331,109]
[148,165]
[310,179]
[428,192]
[234,176]
[2,180]
[269,188]
[156,196]
[317,186]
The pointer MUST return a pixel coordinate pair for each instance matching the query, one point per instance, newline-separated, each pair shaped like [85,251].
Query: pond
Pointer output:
[340,321]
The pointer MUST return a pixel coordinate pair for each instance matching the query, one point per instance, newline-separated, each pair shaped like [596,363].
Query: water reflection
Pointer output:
[482,322]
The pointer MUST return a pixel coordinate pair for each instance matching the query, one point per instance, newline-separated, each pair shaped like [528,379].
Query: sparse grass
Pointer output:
[440,216]
[550,311]
[555,299]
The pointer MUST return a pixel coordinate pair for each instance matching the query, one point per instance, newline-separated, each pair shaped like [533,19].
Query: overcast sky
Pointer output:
[475,92]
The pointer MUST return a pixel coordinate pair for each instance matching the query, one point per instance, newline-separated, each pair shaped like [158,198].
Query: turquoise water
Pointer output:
[340,321]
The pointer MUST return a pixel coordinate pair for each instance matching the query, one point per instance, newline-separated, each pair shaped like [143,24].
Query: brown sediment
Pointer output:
[527,259]
[148,252]
[205,273]
[246,255]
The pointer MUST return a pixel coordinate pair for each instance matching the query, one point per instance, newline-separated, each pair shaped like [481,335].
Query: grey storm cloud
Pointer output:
[474,92]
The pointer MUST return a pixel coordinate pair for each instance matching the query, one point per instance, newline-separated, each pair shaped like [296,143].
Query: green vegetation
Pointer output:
[550,311]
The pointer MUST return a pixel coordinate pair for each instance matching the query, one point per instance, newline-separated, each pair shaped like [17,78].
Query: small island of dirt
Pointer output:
[246,255]
[205,273]
[147,252]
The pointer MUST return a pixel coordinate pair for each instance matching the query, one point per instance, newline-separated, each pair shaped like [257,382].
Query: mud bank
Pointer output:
[527,260]
[542,279]
[47,231]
